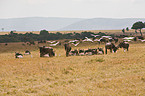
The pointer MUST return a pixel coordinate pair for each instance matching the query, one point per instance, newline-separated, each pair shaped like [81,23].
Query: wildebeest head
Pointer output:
[101,50]
[115,49]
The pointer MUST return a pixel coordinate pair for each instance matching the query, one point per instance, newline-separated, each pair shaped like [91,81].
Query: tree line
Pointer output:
[45,35]
[137,26]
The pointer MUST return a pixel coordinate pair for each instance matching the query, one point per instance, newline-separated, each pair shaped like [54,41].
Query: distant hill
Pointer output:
[103,24]
[63,24]
[36,23]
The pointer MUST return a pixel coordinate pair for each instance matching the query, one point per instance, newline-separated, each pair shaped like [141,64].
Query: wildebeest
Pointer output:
[81,52]
[18,55]
[115,39]
[88,52]
[100,51]
[74,53]
[91,52]
[46,51]
[67,49]
[124,45]
[110,46]
[27,52]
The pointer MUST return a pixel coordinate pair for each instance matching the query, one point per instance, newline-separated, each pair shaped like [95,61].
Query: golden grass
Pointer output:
[114,74]
[77,31]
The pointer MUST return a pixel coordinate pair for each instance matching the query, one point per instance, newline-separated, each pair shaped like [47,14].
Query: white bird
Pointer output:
[128,38]
[142,40]
[73,41]
[106,36]
[54,44]
[87,39]
[95,35]
[19,56]
[76,44]
[51,41]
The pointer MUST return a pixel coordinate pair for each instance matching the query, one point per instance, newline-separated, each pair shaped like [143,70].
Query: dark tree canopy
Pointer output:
[123,30]
[138,25]
[127,29]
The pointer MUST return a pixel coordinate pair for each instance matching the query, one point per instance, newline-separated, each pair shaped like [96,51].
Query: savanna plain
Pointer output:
[112,74]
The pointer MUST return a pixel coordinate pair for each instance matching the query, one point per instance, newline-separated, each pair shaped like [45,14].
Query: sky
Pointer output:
[72,8]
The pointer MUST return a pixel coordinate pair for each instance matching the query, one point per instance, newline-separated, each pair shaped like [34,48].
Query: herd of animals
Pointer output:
[109,45]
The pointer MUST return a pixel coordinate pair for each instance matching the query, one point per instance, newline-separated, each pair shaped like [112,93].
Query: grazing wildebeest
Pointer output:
[100,51]
[27,52]
[115,39]
[18,55]
[124,45]
[94,51]
[74,53]
[46,51]
[88,52]
[81,52]
[110,46]
[67,49]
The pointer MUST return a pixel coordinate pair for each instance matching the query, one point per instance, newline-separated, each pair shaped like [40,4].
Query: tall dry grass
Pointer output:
[78,31]
[114,74]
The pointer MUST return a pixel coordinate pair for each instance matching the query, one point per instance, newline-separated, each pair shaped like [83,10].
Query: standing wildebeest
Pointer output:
[125,45]
[67,48]
[46,51]
[110,46]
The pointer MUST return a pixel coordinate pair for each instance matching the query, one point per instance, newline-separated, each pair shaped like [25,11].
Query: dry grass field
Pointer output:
[78,31]
[114,74]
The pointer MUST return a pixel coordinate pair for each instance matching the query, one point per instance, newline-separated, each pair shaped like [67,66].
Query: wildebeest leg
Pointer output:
[106,50]
[127,48]
[67,54]
[111,50]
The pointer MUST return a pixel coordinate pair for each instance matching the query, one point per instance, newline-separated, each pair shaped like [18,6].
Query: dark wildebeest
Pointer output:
[124,45]
[46,51]
[81,52]
[115,39]
[110,46]
[74,53]
[67,49]
[100,51]
[88,52]
[18,55]
[91,52]
[27,52]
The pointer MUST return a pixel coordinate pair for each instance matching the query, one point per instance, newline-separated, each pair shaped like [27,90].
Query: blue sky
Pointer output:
[72,8]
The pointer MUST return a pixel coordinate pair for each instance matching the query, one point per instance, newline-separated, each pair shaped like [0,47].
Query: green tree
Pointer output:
[44,32]
[138,26]
[123,30]
[127,29]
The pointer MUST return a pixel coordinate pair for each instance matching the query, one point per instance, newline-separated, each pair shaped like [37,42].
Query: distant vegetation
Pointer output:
[45,35]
